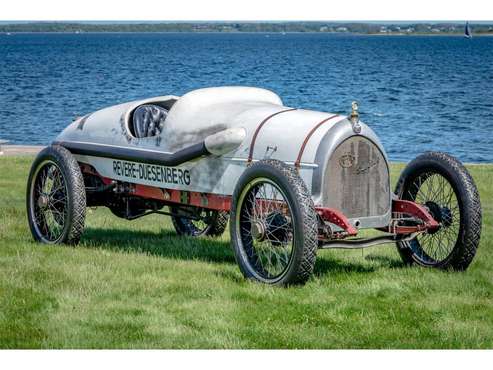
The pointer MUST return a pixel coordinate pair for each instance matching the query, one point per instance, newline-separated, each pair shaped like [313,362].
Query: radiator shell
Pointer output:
[357,180]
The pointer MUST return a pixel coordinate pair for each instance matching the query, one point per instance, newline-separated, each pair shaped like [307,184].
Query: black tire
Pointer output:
[288,225]
[426,180]
[213,224]
[56,197]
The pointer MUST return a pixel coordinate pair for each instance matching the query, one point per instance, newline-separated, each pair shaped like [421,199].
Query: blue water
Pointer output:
[418,93]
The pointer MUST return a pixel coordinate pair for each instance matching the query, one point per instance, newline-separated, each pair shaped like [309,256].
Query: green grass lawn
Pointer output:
[135,284]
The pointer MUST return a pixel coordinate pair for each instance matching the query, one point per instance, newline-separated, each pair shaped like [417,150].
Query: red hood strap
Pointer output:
[312,131]
[252,144]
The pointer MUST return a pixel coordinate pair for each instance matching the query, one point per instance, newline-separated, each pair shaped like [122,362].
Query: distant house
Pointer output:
[435,30]
[341,29]
[324,29]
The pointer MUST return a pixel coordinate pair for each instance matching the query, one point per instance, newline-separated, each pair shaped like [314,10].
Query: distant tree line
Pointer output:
[329,27]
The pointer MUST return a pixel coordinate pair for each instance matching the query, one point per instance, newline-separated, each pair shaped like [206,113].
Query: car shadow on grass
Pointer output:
[164,244]
[168,244]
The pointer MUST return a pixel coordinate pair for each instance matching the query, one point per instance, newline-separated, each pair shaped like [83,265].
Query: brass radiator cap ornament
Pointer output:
[354,117]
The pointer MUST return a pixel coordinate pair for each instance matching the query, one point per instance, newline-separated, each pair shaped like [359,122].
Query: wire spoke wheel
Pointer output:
[443,185]
[266,228]
[433,191]
[200,226]
[273,224]
[56,197]
[207,222]
[49,201]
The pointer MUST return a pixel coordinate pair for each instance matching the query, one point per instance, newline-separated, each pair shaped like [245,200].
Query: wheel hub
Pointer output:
[258,230]
[43,201]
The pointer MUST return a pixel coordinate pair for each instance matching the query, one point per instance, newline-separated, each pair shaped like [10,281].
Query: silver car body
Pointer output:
[344,169]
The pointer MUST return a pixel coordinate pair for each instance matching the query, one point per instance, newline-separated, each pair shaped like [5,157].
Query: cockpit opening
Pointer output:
[148,120]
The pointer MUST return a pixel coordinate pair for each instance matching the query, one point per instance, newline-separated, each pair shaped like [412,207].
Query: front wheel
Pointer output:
[273,225]
[56,197]
[443,185]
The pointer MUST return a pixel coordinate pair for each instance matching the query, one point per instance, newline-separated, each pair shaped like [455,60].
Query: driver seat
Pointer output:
[148,120]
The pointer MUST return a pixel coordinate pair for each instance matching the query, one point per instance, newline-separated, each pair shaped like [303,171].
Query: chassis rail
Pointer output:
[366,242]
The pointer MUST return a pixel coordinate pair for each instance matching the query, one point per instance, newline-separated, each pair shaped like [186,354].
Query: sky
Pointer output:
[253,10]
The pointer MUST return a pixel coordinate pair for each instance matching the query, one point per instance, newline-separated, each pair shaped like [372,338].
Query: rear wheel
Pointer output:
[209,223]
[273,225]
[443,185]
[56,197]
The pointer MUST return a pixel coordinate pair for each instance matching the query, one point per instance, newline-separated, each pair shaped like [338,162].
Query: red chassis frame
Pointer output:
[400,208]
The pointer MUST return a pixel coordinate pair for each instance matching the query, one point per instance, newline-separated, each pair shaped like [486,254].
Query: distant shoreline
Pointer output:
[244,32]
[282,27]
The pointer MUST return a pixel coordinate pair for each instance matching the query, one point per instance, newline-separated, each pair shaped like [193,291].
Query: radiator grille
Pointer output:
[357,179]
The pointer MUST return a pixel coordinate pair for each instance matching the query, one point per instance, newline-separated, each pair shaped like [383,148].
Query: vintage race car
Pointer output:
[290,181]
